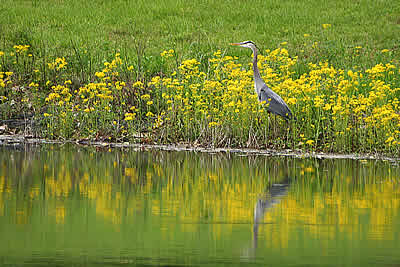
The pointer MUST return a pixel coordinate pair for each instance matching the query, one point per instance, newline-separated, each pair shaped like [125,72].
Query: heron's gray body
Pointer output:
[274,102]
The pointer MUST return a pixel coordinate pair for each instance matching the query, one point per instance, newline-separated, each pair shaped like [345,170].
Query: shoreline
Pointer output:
[15,140]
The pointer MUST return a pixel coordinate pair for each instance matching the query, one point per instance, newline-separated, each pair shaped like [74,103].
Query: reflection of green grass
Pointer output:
[147,206]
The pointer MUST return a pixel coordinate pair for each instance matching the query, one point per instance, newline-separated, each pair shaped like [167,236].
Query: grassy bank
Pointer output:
[164,73]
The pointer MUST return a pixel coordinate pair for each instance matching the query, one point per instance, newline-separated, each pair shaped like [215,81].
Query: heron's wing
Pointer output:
[275,102]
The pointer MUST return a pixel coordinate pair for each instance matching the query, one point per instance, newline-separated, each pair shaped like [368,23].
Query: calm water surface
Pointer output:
[74,206]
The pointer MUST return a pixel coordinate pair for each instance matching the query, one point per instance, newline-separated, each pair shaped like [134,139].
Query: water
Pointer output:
[72,206]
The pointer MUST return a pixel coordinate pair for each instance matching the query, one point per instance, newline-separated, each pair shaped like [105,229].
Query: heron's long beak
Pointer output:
[234,43]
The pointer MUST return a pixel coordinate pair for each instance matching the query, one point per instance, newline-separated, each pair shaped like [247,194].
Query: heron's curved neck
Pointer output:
[256,72]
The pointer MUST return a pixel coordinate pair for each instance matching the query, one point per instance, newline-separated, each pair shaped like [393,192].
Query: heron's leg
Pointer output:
[267,127]
[269,121]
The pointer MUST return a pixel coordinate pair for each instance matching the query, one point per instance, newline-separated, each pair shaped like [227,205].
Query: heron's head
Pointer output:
[248,44]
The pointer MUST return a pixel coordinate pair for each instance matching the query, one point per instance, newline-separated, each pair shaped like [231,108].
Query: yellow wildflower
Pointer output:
[389,140]
[21,48]
[129,116]
[100,74]
[326,26]
[310,142]
[138,84]
[145,96]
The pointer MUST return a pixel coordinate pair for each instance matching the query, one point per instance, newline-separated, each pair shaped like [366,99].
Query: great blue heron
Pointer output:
[275,103]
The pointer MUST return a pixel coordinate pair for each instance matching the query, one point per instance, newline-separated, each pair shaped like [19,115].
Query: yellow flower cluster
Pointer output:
[60,94]
[326,25]
[336,110]
[350,104]
[58,64]
[21,48]
[5,78]
[91,103]
[167,54]
[129,116]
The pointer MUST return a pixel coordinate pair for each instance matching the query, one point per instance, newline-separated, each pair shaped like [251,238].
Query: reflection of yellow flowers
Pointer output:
[205,186]
[60,214]
[130,172]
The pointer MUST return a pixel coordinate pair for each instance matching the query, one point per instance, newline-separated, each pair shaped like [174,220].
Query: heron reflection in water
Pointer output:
[275,193]
[274,196]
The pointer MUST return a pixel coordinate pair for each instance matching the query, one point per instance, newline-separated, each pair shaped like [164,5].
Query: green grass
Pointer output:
[142,29]
[209,102]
